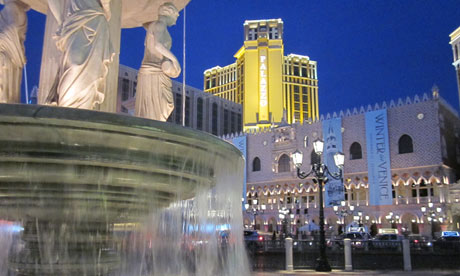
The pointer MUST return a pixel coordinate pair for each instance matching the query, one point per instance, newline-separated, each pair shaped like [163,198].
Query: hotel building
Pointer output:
[265,81]
[202,111]
[424,155]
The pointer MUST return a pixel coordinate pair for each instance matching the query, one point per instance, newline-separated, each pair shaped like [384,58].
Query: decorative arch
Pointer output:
[405,144]
[410,223]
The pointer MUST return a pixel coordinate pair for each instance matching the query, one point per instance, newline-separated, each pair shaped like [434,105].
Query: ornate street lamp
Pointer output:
[284,214]
[392,218]
[362,219]
[433,215]
[320,173]
[343,211]
[255,209]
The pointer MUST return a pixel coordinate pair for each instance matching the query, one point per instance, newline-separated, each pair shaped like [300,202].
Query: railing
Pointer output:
[371,254]
[357,245]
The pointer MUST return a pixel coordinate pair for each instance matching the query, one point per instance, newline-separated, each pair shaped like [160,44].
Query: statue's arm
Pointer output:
[56,7]
[158,30]
[106,7]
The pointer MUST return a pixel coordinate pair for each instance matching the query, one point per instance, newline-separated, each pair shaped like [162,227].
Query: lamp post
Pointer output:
[284,214]
[433,215]
[343,211]
[361,219]
[392,218]
[320,175]
[255,209]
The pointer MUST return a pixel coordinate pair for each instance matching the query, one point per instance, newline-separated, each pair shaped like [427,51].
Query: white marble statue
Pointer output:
[154,99]
[84,40]
[13,27]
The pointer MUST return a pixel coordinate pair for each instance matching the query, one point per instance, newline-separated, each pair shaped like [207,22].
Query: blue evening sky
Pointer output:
[367,51]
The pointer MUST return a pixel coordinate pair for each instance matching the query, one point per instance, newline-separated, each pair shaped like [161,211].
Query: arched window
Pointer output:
[256,164]
[305,141]
[456,53]
[355,151]
[284,164]
[314,158]
[405,144]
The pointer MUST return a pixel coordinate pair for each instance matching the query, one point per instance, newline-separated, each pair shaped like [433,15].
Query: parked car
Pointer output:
[449,240]
[358,240]
[254,239]
[419,242]
[388,241]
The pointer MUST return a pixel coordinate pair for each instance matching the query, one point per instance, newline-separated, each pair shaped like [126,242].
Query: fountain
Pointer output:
[70,176]
[99,193]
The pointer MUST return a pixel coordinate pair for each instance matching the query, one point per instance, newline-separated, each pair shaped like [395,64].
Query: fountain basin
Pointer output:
[61,162]
[69,175]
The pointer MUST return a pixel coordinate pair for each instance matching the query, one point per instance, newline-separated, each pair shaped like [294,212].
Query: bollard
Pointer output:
[289,261]
[347,251]
[406,255]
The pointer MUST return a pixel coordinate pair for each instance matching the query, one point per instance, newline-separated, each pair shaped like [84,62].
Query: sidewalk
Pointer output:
[301,272]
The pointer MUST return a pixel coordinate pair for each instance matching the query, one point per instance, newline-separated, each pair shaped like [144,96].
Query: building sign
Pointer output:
[240,143]
[263,86]
[332,135]
[378,158]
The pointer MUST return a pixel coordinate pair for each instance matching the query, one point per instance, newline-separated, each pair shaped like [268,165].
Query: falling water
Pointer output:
[198,236]
[104,194]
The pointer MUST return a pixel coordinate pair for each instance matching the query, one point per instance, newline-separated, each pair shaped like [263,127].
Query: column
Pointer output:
[406,255]
[348,196]
[367,196]
[429,191]
[348,255]
[111,91]
[50,59]
[408,194]
[357,196]
[289,257]
[418,194]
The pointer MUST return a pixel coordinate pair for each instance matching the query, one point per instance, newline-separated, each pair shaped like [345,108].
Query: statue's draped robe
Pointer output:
[154,97]
[87,50]
[12,60]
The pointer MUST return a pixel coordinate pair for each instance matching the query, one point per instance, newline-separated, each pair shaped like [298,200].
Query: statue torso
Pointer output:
[151,55]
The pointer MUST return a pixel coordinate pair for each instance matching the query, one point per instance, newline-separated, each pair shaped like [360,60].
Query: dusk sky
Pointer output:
[367,51]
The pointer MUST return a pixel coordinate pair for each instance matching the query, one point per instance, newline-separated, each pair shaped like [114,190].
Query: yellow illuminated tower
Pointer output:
[265,81]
